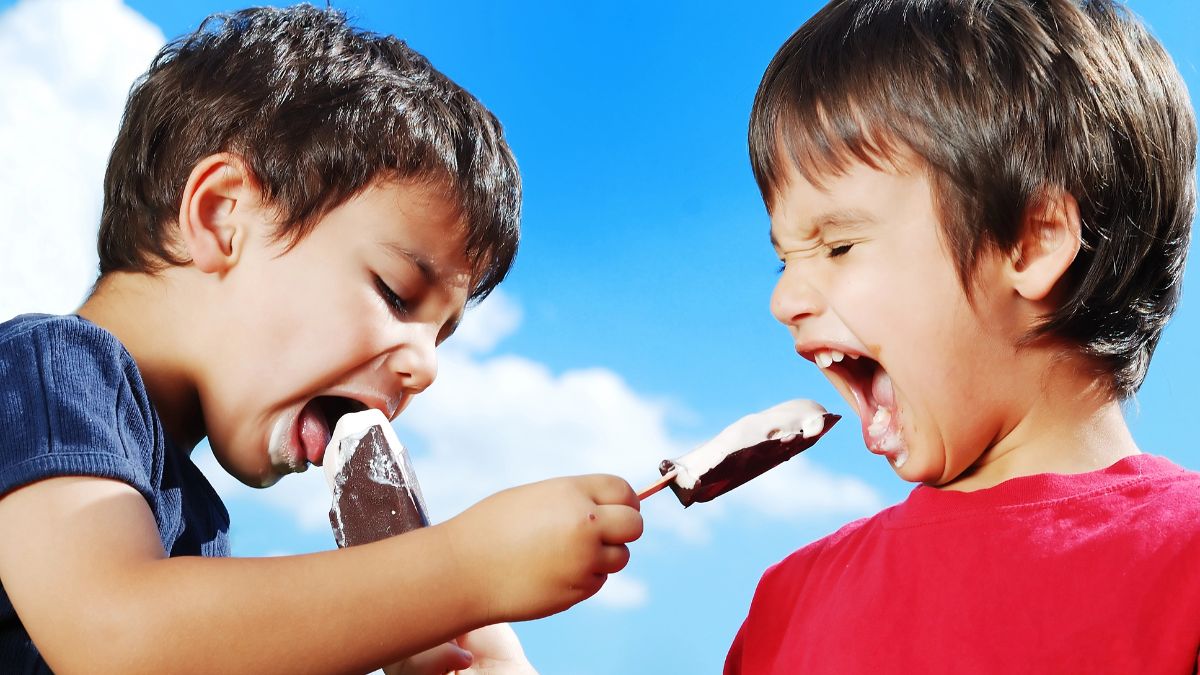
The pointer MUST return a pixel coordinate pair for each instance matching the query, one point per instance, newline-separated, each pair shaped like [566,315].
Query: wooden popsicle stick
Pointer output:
[656,486]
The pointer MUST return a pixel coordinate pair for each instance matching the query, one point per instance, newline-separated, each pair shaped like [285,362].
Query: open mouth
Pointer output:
[865,384]
[314,425]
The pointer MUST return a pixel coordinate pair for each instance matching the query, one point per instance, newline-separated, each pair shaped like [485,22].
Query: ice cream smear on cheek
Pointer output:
[881,430]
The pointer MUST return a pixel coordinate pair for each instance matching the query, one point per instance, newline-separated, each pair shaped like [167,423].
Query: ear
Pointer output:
[218,199]
[1051,234]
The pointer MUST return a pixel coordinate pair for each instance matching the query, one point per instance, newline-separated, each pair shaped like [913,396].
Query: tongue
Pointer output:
[882,430]
[314,432]
[881,389]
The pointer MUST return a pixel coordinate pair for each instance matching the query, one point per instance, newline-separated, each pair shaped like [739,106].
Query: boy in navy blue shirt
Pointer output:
[296,214]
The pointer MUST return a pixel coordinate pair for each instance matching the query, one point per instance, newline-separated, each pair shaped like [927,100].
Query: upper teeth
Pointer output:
[826,357]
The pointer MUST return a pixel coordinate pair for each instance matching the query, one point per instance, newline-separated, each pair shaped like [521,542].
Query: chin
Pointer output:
[906,473]
[264,480]
[910,467]
[261,479]
[264,474]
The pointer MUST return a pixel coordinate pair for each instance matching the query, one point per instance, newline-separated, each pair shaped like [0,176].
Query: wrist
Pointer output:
[466,571]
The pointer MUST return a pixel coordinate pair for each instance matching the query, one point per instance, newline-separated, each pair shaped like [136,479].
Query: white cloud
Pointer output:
[622,591]
[68,66]
[500,421]
[489,323]
[495,421]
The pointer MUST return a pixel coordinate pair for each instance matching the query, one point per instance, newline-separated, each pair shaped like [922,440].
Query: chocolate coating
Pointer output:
[371,499]
[742,465]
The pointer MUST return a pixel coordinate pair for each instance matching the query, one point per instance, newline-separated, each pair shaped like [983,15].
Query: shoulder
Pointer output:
[783,586]
[51,364]
[71,403]
[796,567]
[58,335]
[63,355]
[1168,495]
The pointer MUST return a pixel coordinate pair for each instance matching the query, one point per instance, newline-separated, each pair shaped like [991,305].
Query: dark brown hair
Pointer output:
[319,111]
[1003,100]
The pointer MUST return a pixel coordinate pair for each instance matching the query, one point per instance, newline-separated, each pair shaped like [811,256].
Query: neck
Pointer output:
[1073,425]
[135,308]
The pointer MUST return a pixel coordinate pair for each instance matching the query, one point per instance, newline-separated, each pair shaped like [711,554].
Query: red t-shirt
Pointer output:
[1088,573]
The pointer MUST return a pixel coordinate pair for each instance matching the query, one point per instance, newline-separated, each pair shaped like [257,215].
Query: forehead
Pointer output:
[860,196]
[420,206]
[822,225]
[416,221]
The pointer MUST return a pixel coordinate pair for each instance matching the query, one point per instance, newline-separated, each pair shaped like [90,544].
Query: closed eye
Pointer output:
[398,305]
[839,250]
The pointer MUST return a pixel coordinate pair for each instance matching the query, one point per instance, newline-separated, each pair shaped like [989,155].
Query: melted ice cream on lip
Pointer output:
[283,460]
[745,449]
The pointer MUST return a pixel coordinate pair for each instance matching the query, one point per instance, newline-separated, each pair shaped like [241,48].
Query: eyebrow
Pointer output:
[432,275]
[835,221]
[429,270]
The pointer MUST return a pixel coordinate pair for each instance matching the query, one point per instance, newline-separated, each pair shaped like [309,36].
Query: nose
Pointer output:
[414,362]
[794,298]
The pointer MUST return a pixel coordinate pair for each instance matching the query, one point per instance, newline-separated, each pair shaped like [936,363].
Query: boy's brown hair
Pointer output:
[1003,100]
[319,111]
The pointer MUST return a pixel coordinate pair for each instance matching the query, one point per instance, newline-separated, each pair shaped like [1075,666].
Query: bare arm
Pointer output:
[95,590]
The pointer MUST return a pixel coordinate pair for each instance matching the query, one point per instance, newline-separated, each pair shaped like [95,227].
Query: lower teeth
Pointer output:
[880,422]
[886,439]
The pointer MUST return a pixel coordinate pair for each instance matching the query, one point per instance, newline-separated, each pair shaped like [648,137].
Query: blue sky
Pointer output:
[634,324]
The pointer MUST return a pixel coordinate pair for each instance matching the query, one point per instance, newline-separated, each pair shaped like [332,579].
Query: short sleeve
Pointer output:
[67,407]
[733,660]
[766,628]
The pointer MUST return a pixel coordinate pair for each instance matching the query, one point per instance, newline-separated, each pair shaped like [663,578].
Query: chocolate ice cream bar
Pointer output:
[744,450]
[375,491]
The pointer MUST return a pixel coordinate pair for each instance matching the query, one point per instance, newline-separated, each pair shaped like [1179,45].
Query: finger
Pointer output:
[592,586]
[440,660]
[612,559]
[607,489]
[497,643]
[618,524]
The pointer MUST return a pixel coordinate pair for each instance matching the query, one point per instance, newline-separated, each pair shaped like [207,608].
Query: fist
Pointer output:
[545,546]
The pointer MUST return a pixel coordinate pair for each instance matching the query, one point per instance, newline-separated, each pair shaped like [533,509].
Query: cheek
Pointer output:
[876,307]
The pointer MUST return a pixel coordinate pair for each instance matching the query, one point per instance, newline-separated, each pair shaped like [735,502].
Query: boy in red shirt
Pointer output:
[983,210]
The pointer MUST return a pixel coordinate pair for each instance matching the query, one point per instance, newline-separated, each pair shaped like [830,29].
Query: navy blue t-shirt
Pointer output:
[72,403]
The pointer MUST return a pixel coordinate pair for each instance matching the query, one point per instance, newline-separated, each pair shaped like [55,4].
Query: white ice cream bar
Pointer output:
[747,448]
[375,490]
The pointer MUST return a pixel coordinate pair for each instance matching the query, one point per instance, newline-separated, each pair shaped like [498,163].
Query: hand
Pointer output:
[496,651]
[540,548]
